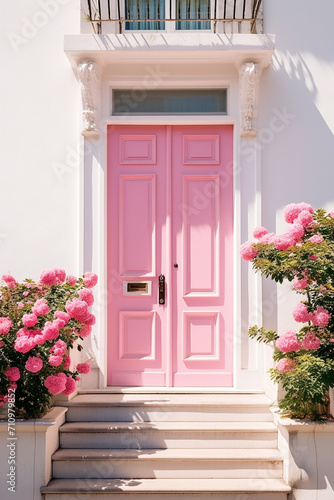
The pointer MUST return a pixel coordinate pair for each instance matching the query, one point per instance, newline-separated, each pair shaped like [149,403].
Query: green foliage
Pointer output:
[262,335]
[306,386]
[306,372]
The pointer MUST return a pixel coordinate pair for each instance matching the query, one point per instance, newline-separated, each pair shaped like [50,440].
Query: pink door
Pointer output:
[170,255]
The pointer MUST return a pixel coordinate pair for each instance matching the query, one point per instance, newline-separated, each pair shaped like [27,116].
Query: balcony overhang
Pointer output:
[201,48]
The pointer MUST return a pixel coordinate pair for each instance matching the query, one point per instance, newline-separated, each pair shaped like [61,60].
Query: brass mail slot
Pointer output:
[137,287]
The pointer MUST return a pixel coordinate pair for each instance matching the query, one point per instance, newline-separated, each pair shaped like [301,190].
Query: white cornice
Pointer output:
[179,48]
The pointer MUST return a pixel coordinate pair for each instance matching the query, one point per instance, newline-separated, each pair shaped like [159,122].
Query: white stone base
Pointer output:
[27,447]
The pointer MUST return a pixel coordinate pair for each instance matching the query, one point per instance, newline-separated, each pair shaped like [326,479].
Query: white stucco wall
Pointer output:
[40,178]
[296,122]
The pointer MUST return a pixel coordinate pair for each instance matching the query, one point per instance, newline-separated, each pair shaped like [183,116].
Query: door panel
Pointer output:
[188,340]
[200,235]
[202,247]
[137,214]
[136,217]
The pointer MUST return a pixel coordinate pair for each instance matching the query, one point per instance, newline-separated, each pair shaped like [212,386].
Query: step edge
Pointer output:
[268,485]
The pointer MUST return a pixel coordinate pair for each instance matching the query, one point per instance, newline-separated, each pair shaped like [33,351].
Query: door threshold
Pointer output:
[170,390]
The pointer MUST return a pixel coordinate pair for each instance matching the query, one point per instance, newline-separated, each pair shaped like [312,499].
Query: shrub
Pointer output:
[303,255]
[39,325]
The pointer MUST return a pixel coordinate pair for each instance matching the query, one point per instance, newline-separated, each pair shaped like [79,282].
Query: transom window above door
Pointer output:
[152,14]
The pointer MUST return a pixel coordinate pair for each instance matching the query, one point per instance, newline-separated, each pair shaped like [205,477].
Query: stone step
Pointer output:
[169,463]
[171,489]
[161,435]
[140,407]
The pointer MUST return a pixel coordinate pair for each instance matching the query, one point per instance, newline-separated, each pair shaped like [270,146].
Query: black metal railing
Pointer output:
[99,12]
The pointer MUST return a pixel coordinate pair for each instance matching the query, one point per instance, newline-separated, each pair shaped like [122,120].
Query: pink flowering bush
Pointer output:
[303,255]
[39,325]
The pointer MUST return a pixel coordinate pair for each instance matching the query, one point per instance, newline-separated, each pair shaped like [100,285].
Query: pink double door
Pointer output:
[170,232]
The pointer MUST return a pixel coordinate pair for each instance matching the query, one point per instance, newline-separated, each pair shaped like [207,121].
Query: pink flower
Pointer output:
[87,296]
[66,362]
[40,307]
[55,360]
[299,284]
[63,316]
[305,218]
[296,231]
[71,280]
[50,331]
[286,364]
[77,309]
[89,320]
[83,367]
[20,305]
[331,214]
[29,320]
[316,239]
[247,251]
[311,341]
[59,348]
[70,386]
[40,339]
[59,323]
[10,281]
[259,232]
[12,373]
[48,278]
[313,257]
[85,331]
[321,317]
[26,293]
[268,238]
[90,279]
[2,343]
[55,383]
[292,211]
[24,344]
[34,364]
[283,242]
[301,314]
[288,342]
[52,277]
[5,325]
[61,275]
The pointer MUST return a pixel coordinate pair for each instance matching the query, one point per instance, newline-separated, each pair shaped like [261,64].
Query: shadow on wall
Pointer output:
[296,119]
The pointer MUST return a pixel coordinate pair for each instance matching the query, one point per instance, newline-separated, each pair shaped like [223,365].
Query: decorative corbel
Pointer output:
[249,79]
[89,78]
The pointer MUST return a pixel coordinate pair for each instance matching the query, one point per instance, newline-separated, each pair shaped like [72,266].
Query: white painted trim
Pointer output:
[246,175]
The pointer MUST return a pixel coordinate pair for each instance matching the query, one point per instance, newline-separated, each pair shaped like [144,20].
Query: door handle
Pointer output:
[162,289]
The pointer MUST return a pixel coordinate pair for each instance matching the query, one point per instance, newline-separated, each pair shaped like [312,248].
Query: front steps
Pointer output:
[189,446]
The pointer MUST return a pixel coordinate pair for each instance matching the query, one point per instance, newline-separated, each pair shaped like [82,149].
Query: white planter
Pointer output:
[25,454]
[307,449]
[331,401]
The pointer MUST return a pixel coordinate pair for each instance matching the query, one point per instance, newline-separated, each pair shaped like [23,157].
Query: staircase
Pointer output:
[182,446]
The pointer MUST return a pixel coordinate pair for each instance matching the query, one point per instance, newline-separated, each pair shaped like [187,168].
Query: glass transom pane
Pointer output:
[144,10]
[170,102]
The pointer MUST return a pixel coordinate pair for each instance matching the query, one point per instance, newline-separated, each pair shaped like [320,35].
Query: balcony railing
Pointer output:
[222,16]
